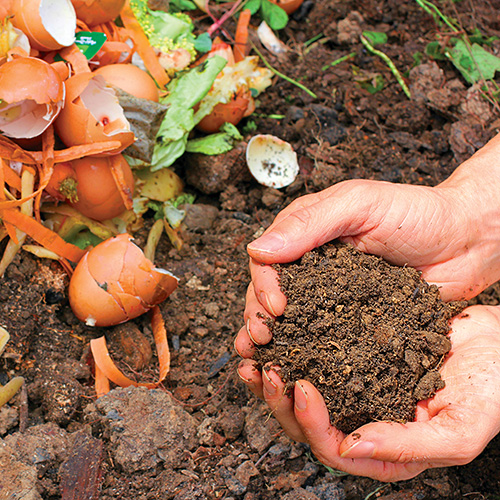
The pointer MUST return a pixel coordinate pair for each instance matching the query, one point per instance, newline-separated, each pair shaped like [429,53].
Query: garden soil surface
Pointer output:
[202,435]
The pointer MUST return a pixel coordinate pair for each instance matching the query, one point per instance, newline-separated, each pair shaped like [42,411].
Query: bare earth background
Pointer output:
[202,436]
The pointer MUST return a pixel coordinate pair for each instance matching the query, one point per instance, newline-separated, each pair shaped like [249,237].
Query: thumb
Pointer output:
[453,437]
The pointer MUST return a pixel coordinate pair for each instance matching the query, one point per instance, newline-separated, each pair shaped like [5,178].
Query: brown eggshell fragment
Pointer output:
[114,282]
[29,105]
[92,114]
[93,12]
[131,79]
[49,24]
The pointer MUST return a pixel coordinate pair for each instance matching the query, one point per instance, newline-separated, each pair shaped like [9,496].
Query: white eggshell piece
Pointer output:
[271,161]
[59,19]
[270,41]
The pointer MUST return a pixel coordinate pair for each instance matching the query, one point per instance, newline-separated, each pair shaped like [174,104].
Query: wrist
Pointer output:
[473,189]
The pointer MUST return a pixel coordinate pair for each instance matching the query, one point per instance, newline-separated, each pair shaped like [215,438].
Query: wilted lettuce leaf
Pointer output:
[216,144]
[185,92]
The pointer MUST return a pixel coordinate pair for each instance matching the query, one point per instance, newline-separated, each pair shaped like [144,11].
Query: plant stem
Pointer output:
[432,10]
[389,63]
[281,75]
[338,61]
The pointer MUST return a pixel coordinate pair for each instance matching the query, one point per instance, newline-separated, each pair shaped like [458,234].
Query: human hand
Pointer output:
[451,428]
[437,230]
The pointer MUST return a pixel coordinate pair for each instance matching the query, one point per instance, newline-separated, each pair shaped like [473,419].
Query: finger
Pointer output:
[251,377]
[243,344]
[312,416]
[441,441]
[322,220]
[281,403]
[265,282]
[257,318]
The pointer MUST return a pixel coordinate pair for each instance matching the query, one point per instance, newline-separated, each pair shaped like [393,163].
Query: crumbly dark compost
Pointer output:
[369,335]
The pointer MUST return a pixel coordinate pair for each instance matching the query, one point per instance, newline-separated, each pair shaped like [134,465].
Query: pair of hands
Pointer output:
[432,229]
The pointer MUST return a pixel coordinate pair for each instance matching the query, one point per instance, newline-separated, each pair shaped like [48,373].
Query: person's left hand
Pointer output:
[452,428]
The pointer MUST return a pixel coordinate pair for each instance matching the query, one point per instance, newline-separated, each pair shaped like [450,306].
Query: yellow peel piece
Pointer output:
[4,338]
[9,390]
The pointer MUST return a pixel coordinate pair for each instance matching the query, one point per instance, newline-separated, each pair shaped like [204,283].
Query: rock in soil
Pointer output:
[369,335]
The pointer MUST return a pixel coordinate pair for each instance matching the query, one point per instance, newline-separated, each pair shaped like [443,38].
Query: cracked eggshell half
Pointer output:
[93,12]
[49,24]
[114,282]
[29,105]
[92,114]
[271,161]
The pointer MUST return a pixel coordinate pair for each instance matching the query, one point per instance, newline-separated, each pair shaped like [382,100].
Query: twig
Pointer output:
[281,75]
[23,409]
[219,22]
[389,63]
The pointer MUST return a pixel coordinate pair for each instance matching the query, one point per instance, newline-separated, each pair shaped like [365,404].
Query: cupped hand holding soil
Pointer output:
[369,335]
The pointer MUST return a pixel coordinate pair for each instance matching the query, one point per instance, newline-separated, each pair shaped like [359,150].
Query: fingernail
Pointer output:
[269,385]
[268,243]
[361,449]
[300,397]
[243,379]
[264,299]
[248,331]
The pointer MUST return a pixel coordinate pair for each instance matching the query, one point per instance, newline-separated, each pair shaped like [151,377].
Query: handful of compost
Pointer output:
[369,335]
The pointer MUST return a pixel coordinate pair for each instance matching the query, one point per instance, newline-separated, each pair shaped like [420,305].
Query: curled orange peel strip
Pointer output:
[41,234]
[119,178]
[9,150]
[143,46]
[105,366]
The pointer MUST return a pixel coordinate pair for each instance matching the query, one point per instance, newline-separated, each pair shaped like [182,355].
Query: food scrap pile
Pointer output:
[98,98]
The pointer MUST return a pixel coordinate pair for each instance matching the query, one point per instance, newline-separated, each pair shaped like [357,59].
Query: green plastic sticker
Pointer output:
[89,43]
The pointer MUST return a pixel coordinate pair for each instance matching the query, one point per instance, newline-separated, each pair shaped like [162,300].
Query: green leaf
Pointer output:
[475,64]
[216,144]
[373,85]
[181,5]
[203,43]
[274,16]
[190,87]
[375,37]
[253,6]
[435,51]
[478,37]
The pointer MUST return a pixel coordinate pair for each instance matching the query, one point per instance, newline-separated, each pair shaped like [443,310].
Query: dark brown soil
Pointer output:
[369,335]
[202,435]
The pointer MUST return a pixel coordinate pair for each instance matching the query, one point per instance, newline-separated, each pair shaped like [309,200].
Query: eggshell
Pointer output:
[289,6]
[271,161]
[49,24]
[105,202]
[30,104]
[92,113]
[93,12]
[114,282]
[131,79]
[231,112]
[5,8]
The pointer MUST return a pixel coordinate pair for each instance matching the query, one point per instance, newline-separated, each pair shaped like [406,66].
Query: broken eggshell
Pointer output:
[271,161]
[93,12]
[29,105]
[114,282]
[49,24]
[92,114]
